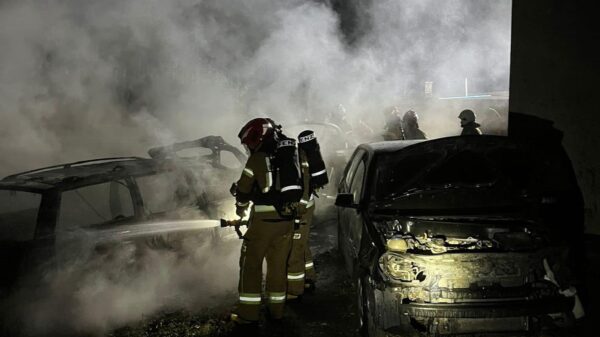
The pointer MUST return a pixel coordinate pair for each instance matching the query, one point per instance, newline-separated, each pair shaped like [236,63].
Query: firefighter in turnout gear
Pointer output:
[301,273]
[301,270]
[410,125]
[269,234]
[468,124]
[393,129]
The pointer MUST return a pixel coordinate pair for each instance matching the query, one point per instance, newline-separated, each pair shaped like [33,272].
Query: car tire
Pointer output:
[367,327]
[339,237]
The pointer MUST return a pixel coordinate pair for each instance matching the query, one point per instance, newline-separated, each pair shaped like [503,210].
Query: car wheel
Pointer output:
[367,327]
[360,307]
[339,237]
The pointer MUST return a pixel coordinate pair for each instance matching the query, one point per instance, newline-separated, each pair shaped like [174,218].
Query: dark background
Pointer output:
[554,75]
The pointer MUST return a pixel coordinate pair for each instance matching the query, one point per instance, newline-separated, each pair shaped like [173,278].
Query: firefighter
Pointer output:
[468,124]
[301,272]
[339,117]
[393,129]
[411,126]
[269,234]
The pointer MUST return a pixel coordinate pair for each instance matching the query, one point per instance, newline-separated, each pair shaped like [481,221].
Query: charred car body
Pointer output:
[151,203]
[462,235]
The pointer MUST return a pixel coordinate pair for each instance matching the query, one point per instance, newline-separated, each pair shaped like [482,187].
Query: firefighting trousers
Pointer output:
[300,262]
[269,237]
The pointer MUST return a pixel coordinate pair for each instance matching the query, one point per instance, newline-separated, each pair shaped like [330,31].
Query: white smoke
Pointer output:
[86,79]
[93,293]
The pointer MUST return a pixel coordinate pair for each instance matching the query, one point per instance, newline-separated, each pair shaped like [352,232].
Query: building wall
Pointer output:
[554,75]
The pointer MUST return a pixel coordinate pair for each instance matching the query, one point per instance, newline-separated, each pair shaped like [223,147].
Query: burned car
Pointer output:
[151,203]
[462,235]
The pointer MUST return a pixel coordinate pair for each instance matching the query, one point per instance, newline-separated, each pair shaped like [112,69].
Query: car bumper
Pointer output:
[492,316]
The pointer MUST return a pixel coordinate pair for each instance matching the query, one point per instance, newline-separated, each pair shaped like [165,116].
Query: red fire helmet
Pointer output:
[255,132]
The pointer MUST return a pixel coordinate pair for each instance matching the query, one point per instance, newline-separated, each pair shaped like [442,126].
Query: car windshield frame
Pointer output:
[501,171]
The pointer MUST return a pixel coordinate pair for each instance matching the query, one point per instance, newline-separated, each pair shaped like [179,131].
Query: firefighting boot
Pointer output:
[242,327]
[293,298]
[310,286]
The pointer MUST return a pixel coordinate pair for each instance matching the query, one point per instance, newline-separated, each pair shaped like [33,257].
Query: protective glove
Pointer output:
[241,210]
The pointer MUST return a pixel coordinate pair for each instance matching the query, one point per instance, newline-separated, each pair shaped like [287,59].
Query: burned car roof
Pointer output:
[80,173]
[390,146]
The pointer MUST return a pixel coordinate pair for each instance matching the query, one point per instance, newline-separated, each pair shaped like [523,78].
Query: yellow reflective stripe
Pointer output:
[248,172]
[250,298]
[277,297]
[309,265]
[269,176]
[295,276]
[264,208]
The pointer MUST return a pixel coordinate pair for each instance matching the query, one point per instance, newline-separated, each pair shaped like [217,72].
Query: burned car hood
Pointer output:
[456,201]
[473,175]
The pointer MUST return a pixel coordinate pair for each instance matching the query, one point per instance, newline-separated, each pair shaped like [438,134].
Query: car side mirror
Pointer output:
[345,200]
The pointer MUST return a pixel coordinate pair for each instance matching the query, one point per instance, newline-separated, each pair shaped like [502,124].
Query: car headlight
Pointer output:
[400,267]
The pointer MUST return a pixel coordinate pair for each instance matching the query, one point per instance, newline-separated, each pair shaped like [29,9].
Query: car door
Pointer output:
[91,215]
[350,222]
[18,221]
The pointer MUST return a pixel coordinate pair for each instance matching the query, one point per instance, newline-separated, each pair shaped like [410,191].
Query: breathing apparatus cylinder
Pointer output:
[288,170]
[307,141]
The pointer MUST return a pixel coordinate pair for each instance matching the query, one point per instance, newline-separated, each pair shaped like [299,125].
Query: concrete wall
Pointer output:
[554,75]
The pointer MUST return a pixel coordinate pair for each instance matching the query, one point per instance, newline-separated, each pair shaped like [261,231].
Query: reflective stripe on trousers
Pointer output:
[250,298]
[295,276]
[276,297]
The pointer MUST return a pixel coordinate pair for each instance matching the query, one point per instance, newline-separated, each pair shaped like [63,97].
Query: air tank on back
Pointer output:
[307,141]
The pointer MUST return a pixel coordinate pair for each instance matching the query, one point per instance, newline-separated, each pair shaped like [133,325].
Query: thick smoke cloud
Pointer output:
[86,79]
[95,292]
